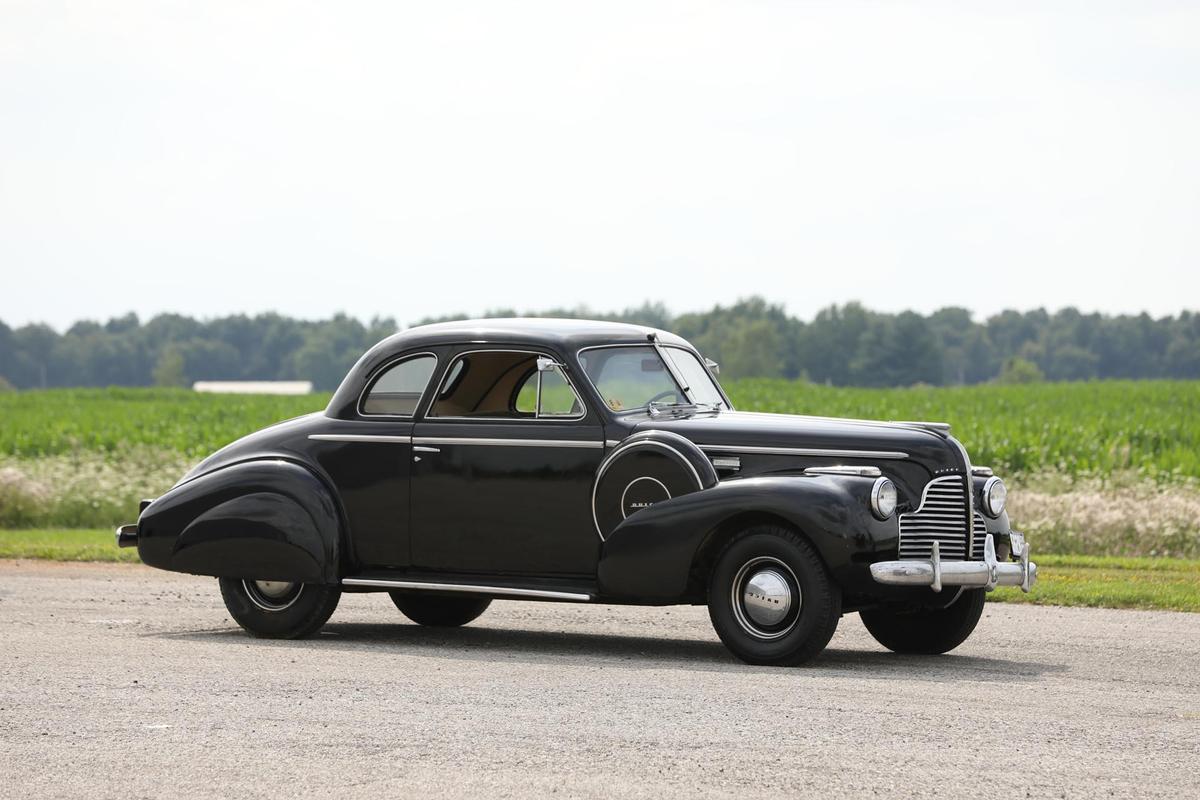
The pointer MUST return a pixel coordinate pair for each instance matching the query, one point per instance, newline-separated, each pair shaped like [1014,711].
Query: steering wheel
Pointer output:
[663,395]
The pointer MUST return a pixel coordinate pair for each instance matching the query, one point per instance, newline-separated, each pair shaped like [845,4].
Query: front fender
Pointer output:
[265,519]
[650,555]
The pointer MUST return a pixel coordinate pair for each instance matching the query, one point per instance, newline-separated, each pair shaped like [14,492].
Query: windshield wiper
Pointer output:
[658,409]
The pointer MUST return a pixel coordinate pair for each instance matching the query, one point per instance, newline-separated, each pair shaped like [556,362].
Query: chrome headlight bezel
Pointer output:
[995,497]
[884,498]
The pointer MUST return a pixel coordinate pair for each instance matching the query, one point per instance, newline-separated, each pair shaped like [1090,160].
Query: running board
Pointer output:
[469,588]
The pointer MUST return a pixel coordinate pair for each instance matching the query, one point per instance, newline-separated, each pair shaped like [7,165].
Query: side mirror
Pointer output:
[713,366]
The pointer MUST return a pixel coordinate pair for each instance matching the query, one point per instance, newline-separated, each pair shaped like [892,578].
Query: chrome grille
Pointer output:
[978,534]
[942,517]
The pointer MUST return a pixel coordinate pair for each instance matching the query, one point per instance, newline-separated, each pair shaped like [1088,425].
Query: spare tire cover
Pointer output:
[645,469]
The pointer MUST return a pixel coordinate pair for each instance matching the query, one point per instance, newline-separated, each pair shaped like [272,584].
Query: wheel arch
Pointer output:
[263,518]
[722,533]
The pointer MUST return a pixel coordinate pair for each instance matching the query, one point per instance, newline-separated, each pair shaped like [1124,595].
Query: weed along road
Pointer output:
[122,681]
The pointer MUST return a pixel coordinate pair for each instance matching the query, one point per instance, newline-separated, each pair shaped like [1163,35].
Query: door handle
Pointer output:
[420,448]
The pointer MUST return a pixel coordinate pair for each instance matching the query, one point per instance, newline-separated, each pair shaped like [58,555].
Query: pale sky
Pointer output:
[410,159]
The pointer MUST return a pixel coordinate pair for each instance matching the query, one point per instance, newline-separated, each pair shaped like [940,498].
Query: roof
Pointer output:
[563,335]
[568,334]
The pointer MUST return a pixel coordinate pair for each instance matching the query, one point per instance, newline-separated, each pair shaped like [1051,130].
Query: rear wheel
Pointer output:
[279,609]
[771,599]
[926,631]
[440,611]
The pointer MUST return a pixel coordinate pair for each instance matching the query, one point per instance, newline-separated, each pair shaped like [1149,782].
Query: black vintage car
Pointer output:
[578,461]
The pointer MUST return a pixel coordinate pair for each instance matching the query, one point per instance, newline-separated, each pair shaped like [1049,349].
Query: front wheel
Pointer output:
[439,611]
[279,609]
[926,631]
[770,598]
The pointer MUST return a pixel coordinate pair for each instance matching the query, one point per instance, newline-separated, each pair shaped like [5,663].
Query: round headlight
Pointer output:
[995,495]
[883,498]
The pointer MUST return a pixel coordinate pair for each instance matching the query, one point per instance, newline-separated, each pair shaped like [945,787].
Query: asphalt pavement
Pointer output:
[122,681]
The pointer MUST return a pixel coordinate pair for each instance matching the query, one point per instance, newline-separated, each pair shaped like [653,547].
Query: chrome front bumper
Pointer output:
[986,574]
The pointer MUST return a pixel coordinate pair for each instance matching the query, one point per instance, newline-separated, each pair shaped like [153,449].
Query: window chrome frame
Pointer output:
[383,370]
[658,347]
[429,416]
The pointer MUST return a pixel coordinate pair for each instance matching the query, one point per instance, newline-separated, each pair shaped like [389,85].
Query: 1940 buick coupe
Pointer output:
[565,460]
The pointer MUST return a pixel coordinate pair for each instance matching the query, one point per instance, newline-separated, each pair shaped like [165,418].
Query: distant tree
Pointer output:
[169,369]
[5,386]
[1020,370]
[1072,363]
[1183,358]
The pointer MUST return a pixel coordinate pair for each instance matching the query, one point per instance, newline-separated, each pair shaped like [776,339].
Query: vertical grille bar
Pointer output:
[978,534]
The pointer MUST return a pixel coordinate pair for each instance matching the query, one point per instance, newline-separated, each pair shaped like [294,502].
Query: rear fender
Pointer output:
[650,556]
[266,519]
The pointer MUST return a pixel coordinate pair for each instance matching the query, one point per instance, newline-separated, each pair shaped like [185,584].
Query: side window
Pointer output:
[398,390]
[557,398]
[502,384]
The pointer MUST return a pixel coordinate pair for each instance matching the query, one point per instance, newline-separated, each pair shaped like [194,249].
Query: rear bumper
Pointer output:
[986,574]
[127,536]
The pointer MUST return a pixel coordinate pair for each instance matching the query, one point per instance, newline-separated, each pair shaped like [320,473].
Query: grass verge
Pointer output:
[1171,584]
[64,545]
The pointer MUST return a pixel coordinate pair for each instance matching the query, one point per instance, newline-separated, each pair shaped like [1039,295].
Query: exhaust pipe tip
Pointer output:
[127,536]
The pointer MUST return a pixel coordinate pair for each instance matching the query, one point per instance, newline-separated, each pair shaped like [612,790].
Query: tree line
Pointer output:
[845,345]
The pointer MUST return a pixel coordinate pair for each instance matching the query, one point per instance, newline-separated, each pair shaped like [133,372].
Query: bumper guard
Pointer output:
[986,574]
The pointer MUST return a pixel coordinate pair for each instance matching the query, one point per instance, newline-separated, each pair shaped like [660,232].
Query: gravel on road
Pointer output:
[122,681]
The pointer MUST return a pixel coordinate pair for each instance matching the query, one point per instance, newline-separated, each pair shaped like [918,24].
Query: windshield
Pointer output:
[697,380]
[634,377]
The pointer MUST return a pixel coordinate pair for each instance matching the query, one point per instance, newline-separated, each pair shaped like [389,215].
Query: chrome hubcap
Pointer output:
[272,595]
[766,598]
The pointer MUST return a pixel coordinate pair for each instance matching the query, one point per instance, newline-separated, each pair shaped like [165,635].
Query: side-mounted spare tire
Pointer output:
[645,469]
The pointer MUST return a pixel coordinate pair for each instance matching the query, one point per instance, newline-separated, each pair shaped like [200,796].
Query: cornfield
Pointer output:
[1106,468]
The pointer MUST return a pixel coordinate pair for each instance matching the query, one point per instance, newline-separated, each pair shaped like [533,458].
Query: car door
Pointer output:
[502,471]
[369,460]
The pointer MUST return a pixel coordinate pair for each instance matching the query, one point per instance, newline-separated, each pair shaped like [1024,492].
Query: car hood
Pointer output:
[828,438]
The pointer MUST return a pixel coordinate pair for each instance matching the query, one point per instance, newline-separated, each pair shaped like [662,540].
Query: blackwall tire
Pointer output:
[440,611]
[927,631]
[770,598]
[279,610]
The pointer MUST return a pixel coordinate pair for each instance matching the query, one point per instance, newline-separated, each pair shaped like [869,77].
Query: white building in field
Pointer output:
[253,387]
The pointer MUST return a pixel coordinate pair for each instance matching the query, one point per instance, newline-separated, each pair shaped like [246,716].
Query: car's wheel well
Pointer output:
[716,539]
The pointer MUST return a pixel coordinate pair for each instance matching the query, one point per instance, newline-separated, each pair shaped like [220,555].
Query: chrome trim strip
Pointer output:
[359,437]
[611,442]
[861,472]
[802,451]
[467,588]
[936,427]
[508,442]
